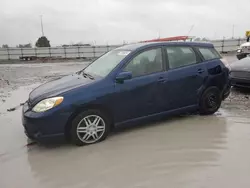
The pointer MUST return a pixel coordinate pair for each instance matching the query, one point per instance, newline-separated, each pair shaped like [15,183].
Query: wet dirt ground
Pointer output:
[185,152]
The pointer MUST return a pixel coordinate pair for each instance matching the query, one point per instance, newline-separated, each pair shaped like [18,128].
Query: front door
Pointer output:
[141,95]
[185,77]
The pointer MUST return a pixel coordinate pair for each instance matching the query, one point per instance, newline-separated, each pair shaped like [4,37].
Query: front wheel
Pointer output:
[210,101]
[89,127]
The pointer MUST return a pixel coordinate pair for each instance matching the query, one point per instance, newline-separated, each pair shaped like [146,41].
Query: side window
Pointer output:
[180,56]
[209,53]
[145,63]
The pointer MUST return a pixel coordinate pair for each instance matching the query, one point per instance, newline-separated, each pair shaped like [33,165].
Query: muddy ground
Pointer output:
[184,152]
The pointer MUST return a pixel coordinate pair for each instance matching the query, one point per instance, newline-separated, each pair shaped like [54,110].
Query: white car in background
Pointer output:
[243,51]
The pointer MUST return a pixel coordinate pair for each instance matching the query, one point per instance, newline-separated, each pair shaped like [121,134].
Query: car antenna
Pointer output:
[190,30]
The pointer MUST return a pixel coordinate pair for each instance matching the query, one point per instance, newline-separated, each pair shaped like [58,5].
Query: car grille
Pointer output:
[240,74]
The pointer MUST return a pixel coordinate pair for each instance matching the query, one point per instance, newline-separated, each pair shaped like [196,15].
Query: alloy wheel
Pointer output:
[90,129]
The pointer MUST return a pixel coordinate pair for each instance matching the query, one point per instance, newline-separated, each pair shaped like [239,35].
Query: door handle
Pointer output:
[162,80]
[200,71]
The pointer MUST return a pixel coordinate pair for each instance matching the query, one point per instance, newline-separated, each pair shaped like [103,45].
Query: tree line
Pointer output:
[41,42]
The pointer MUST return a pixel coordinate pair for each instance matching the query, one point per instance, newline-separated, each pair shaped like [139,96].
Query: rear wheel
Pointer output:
[210,101]
[89,127]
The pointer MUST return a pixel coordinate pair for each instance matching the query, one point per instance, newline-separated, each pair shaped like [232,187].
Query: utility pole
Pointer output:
[233,31]
[159,34]
[41,18]
[215,34]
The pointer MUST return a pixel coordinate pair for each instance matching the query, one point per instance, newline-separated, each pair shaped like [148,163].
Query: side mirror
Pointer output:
[122,76]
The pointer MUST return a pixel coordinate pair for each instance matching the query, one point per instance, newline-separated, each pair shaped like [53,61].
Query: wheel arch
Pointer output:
[211,81]
[104,109]
[207,85]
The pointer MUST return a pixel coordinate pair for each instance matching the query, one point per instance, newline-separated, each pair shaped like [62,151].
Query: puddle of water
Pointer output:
[191,152]
[12,134]
[17,97]
[152,155]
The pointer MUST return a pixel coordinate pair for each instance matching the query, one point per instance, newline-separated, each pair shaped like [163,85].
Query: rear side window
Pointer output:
[209,53]
[179,56]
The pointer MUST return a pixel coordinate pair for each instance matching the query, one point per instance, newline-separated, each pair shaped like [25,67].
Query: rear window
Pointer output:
[209,53]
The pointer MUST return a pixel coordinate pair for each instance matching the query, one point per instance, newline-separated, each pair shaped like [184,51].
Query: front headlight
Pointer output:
[47,104]
[239,50]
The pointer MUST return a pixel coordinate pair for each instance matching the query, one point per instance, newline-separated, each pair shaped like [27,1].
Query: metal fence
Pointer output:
[228,45]
[89,52]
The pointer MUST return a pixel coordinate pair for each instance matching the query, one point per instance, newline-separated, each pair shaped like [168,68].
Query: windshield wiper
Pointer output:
[79,72]
[87,75]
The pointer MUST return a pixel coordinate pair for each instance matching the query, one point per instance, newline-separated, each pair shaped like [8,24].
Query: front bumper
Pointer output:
[43,125]
[241,55]
[240,82]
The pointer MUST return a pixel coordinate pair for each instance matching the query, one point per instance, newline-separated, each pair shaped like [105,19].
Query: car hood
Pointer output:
[58,86]
[246,44]
[241,65]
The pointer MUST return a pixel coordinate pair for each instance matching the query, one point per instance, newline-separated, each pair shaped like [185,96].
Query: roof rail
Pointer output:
[176,38]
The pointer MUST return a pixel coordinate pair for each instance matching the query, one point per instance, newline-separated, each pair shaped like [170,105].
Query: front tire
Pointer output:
[89,127]
[210,101]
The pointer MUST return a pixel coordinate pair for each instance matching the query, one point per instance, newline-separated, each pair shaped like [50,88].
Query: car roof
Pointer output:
[136,46]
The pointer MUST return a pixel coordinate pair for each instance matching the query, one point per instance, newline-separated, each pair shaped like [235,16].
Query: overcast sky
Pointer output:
[112,21]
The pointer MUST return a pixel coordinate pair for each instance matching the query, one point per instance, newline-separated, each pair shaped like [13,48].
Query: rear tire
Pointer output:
[89,127]
[210,101]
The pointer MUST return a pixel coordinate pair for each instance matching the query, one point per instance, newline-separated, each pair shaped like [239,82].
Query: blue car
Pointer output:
[128,84]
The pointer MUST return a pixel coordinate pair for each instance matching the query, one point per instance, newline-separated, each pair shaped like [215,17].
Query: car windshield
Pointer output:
[106,63]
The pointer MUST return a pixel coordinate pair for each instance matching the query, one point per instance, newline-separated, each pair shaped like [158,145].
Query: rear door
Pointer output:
[185,76]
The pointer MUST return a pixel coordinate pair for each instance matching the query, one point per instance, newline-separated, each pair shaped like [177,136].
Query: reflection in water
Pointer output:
[167,153]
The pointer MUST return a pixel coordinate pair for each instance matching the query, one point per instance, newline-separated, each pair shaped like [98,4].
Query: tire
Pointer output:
[85,131]
[210,101]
